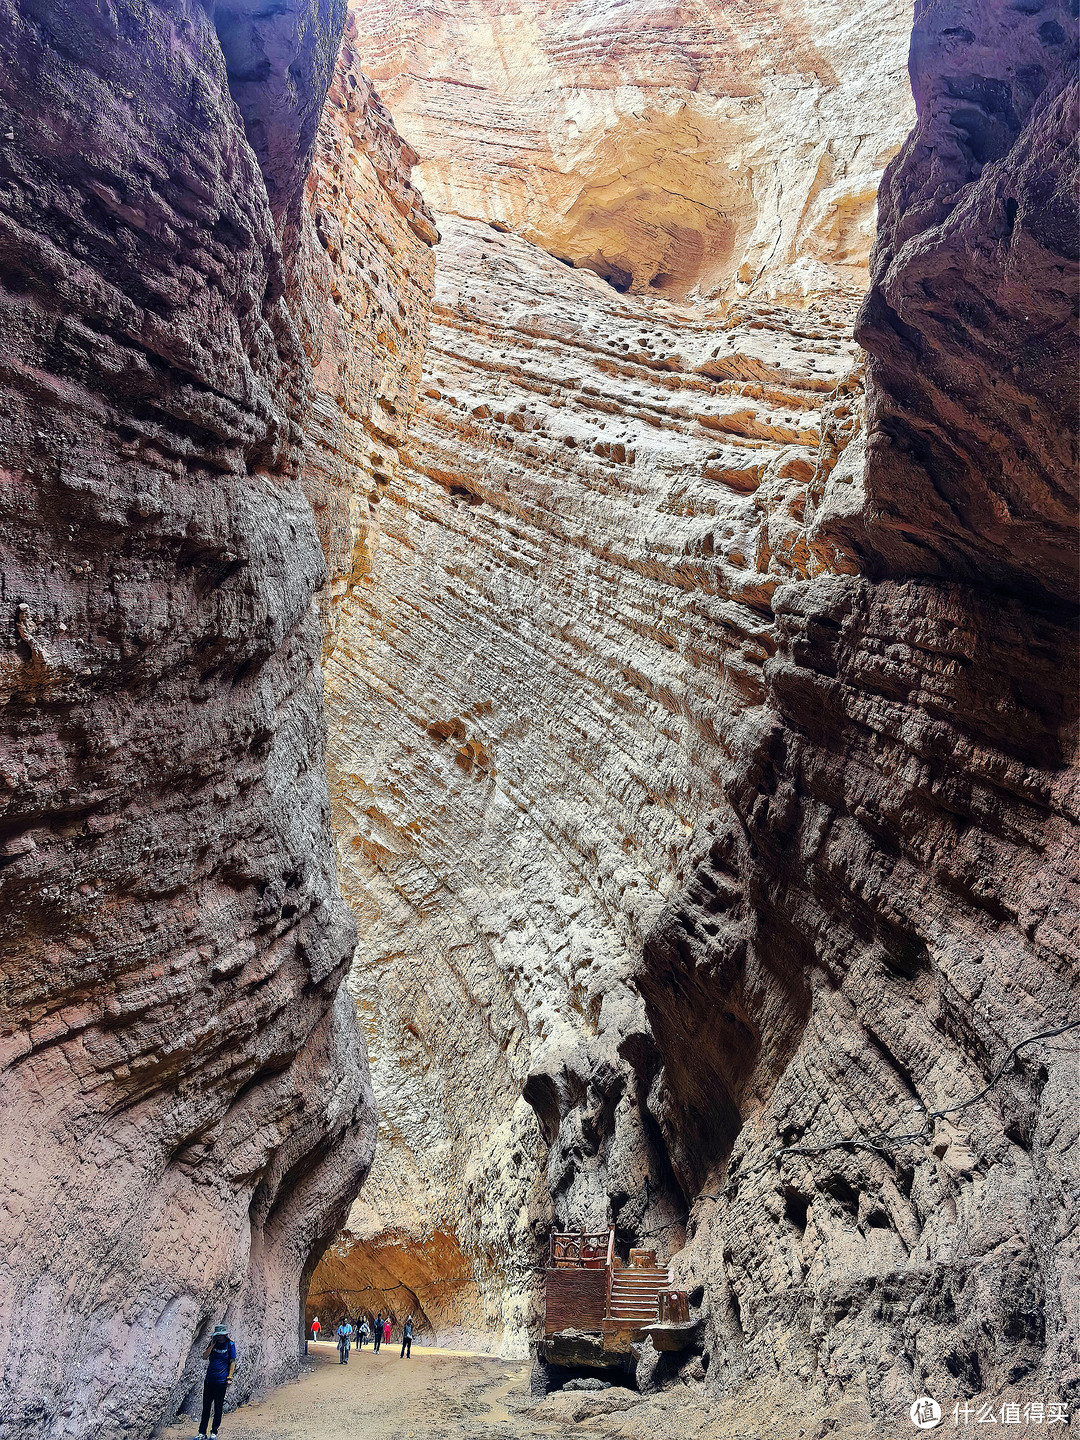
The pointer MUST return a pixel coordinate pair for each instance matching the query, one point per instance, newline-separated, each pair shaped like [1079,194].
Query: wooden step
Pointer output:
[632,1306]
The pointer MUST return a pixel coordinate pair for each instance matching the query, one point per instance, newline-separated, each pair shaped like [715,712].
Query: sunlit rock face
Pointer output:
[889,905]
[709,784]
[668,146]
[365,274]
[186,1114]
[565,609]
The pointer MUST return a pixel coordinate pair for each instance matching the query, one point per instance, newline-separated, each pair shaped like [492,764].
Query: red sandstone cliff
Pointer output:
[186,1113]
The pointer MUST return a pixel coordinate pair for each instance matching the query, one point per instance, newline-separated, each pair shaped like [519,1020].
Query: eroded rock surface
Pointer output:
[365,277]
[186,1112]
[564,611]
[710,768]
[890,904]
[668,146]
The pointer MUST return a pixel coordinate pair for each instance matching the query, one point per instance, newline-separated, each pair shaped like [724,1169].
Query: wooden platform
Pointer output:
[588,1291]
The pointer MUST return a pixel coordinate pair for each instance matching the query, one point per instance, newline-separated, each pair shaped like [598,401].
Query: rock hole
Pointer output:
[1051,33]
[796,1210]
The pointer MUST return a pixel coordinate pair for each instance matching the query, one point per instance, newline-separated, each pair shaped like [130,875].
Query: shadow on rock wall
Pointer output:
[889,903]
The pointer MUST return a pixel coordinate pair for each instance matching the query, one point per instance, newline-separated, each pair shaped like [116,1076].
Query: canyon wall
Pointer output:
[673,146]
[564,610]
[566,604]
[186,1109]
[704,741]
[887,905]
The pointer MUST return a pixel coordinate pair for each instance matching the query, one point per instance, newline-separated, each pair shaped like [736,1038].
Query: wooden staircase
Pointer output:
[589,1292]
[633,1296]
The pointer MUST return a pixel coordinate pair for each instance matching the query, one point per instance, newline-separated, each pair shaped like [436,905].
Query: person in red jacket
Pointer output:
[386,1330]
[315,1328]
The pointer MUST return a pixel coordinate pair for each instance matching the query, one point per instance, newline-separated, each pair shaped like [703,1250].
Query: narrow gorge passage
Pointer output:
[562,605]
[538,715]
[660,754]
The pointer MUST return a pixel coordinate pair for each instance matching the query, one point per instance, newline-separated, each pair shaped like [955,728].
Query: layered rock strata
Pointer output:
[186,1111]
[712,789]
[889,905]
[672,147]
[365,277]
[564,612]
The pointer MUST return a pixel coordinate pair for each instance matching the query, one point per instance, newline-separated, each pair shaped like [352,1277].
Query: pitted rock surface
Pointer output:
[890,903]
[564,610]
[774,735]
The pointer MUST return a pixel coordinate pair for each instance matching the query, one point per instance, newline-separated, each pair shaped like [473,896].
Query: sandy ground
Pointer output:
[454,1395]
[435,1395]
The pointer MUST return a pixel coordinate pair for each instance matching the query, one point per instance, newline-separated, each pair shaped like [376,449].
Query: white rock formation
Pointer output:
[667,144]
[565,606]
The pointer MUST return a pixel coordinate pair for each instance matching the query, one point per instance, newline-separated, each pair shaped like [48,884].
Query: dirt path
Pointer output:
[437,1395]
[453,1395]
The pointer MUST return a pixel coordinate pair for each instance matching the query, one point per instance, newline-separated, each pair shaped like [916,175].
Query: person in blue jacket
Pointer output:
[221,1353]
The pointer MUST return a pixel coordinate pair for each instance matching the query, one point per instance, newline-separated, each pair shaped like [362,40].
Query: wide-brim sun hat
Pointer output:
[221,1330]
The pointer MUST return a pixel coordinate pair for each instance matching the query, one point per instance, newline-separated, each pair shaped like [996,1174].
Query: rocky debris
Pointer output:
[568,1352]
[668,147]
[889,905]
[186,1112]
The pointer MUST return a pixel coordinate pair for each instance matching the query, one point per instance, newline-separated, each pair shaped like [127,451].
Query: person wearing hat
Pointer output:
[221,1353]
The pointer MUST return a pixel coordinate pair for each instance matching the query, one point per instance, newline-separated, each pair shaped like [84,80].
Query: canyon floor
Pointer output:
[455,1395]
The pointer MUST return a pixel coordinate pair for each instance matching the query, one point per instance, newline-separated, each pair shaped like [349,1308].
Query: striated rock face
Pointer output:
[186,1111]
[565,608]
[365,276]
[889,905]
[669,146]
[706,787]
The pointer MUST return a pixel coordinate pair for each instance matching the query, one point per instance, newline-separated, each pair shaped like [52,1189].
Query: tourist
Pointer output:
[315,1328]
[406,1339]
[344,1340]
[386,1330]
[362,1333]
[378,1333]
[221,1353]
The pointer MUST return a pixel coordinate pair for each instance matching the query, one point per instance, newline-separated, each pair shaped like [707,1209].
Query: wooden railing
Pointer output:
[581,1250]
[609,1266]
[577,1289]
